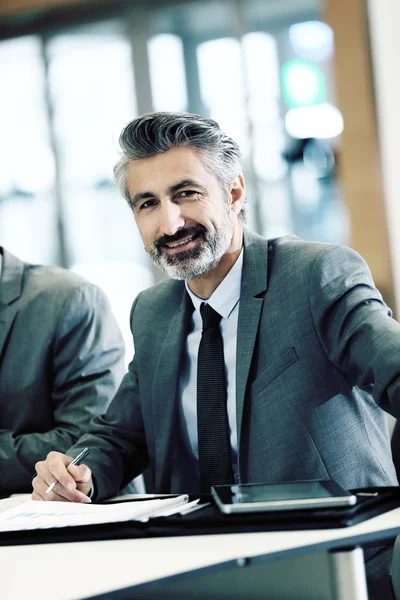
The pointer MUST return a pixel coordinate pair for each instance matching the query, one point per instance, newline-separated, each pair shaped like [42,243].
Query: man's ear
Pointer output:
[237,193]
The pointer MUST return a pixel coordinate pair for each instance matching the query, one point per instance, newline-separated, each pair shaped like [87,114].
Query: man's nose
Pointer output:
[171,218]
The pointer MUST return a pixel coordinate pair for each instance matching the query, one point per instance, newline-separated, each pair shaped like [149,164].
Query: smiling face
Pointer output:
[186,220]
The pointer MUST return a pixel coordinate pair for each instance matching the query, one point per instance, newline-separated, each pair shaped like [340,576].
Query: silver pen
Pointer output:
[77,461]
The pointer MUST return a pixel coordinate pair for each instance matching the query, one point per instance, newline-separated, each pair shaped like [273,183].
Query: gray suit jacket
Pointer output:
[318,357]
[61,361]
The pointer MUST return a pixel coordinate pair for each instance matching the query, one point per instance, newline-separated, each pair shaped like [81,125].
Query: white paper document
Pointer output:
[44,515]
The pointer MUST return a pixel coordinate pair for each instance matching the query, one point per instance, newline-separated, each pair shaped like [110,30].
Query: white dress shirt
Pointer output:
[225,300]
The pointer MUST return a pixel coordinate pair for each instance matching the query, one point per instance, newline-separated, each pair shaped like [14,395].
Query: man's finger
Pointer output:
[42,471]
[57,464]
[54,469]
[59,493]
[72,482]
[83,477]
[80,473]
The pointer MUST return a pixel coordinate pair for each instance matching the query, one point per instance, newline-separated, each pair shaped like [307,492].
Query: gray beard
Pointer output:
[200,259]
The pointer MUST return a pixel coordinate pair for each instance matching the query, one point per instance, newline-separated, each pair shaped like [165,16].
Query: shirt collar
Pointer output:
[227,294]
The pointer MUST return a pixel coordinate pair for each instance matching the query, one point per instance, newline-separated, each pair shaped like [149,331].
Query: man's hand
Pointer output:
[74,481]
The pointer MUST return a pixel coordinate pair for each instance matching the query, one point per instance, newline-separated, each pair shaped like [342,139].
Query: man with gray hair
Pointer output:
[257,361]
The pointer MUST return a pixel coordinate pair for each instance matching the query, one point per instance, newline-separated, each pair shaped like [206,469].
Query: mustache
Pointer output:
[179,235]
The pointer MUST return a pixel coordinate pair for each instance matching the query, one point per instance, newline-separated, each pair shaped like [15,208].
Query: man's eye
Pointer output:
[186,193]
[147,204]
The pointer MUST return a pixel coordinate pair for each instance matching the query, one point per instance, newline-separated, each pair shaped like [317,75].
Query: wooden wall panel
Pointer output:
[359,160]
[15,6]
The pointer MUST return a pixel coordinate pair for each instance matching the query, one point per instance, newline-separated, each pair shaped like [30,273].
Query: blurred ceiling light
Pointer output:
[303,83]
[312,39]
[222,87]
[167,72]
[221,74]
[93,96]
[261,65]
[6,175]
[324,121]
[38,172]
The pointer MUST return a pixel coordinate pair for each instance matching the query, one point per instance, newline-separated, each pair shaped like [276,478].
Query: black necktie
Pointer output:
[212,416]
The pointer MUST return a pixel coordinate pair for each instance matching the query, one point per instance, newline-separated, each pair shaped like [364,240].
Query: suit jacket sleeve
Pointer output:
[117,441]
[355,326]
[87,366]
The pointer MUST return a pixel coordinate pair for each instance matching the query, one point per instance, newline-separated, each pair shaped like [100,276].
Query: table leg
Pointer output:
[348,574]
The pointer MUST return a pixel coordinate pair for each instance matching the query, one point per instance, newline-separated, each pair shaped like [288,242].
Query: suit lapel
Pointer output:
[10,290]
[254,284]
[165,390]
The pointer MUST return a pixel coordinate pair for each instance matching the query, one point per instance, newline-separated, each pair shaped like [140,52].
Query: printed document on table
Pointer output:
[44,515]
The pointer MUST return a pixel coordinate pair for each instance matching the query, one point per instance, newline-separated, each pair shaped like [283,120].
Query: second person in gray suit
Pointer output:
[61,361]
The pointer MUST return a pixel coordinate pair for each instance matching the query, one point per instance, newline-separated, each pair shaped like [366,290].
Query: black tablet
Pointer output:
[260,497]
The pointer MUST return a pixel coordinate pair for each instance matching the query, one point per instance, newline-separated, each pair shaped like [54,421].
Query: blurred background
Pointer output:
[302,85]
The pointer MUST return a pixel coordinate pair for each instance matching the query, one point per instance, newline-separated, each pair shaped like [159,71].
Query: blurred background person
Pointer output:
[61,361]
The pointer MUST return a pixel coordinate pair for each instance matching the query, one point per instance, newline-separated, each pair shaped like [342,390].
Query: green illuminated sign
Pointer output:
[303,83]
